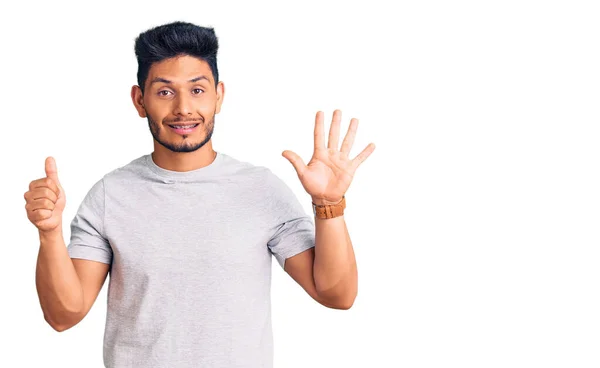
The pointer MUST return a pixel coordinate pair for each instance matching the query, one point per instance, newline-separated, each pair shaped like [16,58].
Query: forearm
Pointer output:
[58,285]
[334,269]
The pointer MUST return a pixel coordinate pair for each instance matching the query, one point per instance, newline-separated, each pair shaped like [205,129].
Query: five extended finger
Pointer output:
[319,132]
[295,160]
[334,130]
[349,138]
[361,157]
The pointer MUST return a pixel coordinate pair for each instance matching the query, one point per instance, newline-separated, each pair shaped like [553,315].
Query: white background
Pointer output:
[474,222]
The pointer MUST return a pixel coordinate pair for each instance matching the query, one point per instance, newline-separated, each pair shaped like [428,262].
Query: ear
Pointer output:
[220,96]
[138,100]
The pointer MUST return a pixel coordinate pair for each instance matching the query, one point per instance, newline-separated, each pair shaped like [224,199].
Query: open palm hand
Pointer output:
[328,174]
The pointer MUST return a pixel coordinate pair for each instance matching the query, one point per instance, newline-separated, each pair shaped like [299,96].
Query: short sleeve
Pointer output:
[88,240]
[292,230]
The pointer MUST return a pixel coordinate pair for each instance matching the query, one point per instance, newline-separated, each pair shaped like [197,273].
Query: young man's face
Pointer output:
[171,99]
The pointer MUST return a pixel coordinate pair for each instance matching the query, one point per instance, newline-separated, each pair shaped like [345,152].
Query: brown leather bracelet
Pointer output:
[329,211]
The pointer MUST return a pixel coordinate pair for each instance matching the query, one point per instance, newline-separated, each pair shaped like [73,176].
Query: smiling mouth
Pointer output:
[183,129]
[183,126]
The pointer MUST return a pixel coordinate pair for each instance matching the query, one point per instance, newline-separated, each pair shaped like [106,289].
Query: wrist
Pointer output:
[324,202]
[46,235]
[329,209]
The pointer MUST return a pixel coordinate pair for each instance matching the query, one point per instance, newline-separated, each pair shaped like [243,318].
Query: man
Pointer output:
[188,233]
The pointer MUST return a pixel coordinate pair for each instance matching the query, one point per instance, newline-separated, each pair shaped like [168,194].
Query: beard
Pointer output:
[181,143]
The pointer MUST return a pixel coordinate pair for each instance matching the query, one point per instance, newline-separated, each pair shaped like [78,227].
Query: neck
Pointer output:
[184,161]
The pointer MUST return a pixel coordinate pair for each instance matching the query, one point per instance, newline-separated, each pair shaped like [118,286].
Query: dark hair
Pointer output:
[175,39]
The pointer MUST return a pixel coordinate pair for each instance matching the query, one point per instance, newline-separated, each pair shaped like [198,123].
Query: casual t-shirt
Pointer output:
[191,259]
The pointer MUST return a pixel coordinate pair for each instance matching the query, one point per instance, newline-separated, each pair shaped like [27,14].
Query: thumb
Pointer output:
[295,160]
[51,171]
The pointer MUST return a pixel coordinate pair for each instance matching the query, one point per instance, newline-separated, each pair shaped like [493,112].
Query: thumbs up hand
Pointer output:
[46,200]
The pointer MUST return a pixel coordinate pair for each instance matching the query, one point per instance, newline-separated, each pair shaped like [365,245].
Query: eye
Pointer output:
[164,90]
[197,89]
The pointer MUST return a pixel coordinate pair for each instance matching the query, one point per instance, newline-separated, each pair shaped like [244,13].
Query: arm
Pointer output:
[67,287]
[335,272]
[57,283]
[327,272]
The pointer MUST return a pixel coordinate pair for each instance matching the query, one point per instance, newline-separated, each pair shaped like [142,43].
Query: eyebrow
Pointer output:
[163,80]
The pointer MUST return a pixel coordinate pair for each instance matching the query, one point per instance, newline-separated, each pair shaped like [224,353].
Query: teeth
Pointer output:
[183,126]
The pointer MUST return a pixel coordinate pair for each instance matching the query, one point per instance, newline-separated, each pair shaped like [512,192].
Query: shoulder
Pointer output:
[237,166]
[260,179]
[132,168]
[255,175]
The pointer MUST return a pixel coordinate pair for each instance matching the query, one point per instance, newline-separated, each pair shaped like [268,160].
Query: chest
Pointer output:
[188,230]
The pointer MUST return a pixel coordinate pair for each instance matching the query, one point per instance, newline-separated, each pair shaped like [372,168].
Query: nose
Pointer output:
[183,105]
